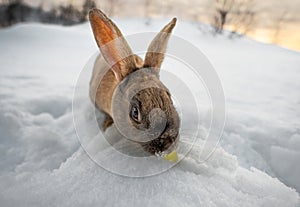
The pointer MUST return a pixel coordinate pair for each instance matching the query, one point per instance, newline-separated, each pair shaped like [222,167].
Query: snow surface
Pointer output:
[42,163]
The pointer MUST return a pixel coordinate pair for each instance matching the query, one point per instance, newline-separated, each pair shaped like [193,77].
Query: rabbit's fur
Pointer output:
[106,78]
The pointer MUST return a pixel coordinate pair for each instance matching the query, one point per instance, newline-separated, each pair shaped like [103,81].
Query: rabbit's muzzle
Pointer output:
[168,140]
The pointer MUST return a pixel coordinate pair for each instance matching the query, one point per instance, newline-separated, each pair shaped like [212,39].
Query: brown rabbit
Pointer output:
[110,69]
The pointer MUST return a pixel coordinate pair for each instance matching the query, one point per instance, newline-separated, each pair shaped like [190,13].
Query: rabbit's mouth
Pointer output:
[160,149]
[170,149]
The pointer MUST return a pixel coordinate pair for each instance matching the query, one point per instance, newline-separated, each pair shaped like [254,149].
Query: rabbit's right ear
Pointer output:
[112,44]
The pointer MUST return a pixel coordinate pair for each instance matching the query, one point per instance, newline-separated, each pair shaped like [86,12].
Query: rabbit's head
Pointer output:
[150,108]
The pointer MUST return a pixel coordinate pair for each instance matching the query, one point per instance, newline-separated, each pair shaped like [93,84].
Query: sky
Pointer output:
[266,20]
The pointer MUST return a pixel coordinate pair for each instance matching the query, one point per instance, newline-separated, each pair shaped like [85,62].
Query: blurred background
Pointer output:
[257,162]
[269,21]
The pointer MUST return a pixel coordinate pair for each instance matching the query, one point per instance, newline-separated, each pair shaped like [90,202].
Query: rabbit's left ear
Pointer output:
[157,48]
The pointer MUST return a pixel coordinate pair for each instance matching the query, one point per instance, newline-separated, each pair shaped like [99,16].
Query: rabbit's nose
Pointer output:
[158,121]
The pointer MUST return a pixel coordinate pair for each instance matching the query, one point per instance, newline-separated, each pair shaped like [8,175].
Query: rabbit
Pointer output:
[103,86]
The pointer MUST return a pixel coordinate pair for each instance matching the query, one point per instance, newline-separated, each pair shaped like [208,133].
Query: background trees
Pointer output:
[237,15]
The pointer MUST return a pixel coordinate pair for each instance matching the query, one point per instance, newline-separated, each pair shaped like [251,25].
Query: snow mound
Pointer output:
[218,182]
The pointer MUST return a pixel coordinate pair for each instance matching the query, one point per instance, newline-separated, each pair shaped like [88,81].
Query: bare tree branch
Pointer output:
[236,14]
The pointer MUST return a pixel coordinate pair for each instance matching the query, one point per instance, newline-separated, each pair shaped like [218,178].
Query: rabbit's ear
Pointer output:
[158,46]
[112,44]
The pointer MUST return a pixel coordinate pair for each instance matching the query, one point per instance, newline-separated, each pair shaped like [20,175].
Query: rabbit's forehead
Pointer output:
[140,80]
[153,98]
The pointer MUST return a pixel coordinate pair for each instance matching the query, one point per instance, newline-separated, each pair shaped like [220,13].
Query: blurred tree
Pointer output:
[147,12]
[223,7]
[236,14]
[69,14]
[87,6]
[13,11]
[280,19]
[242,17]
[111,7]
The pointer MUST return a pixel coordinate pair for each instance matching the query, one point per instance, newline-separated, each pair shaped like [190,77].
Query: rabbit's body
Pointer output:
[102,85]
[115,64]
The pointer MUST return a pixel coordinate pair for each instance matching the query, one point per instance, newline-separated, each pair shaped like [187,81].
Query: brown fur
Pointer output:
[105,78]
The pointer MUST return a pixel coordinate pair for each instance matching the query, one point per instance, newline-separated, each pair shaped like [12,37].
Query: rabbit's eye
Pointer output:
[135,113]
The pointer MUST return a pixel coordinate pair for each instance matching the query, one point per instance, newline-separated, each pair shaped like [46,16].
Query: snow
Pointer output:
[43,164]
